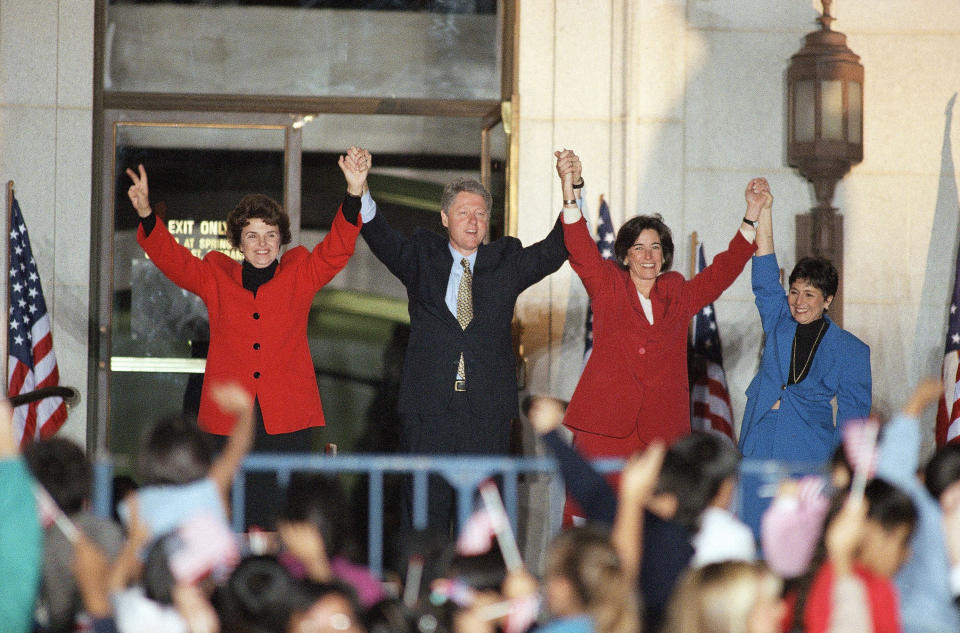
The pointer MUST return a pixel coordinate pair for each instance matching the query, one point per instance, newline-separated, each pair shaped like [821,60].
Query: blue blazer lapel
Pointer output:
[785,335]
[827,350]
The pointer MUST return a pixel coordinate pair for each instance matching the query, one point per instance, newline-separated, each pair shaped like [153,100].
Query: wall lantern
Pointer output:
[825,132]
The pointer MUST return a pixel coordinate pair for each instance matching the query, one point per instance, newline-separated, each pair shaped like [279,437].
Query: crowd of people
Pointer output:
[869,546]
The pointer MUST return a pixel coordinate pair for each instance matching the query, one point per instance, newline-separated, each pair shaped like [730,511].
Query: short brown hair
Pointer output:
[633,227]
[253,206]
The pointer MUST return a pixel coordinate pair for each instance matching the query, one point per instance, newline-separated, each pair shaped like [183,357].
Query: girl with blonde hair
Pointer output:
[726,597]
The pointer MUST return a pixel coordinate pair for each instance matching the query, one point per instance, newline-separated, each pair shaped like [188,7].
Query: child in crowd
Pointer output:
[315,532]
[586,588]
[21,537]
[869,558]
[924,582]
[62,468]
[726,597]
[262,597]
[664,495]
[179,477]
[721,535]
[791,526]
[178,523]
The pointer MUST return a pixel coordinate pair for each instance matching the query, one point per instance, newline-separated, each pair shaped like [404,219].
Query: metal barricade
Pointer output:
[464,473]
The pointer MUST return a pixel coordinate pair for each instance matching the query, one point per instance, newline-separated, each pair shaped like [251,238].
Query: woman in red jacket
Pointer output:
[634,387]
[258,308]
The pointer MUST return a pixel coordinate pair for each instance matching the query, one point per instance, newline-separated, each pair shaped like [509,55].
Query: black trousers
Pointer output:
[263,496]
[456,431]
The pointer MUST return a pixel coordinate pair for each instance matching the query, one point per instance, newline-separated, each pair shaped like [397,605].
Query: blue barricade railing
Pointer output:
[464,473]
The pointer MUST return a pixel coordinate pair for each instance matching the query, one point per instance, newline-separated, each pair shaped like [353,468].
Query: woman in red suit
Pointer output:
[634,387]
[258,308]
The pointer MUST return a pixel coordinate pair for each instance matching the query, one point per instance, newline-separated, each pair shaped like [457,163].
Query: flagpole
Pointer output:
[693,271]
[5,265]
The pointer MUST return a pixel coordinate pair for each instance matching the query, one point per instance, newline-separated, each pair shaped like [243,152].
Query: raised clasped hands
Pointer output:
[139,192]
[758,197]
[355,165]
[570,171]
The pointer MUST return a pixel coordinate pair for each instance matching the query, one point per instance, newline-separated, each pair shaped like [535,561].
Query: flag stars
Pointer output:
[18,340]
[608,237]
[953,308]
[17,287]
[955,338]
[32,292]
[607,253]
[32,308]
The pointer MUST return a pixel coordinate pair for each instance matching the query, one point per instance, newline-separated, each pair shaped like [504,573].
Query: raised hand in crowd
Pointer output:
[844,535]
[139,191]
[91,569]
[8,440]
[638,482]
[950,503]
[924,394]
[304,541]
[545,413]
[237,402]
[195,608]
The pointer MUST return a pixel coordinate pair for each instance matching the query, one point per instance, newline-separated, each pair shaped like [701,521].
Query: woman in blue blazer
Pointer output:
[808,360]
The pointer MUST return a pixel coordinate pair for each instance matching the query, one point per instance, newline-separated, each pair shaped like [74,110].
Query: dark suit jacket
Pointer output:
[503,269]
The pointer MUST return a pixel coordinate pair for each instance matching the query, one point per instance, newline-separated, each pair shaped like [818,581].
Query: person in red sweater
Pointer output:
[849,586]
[258,308]
[641,310]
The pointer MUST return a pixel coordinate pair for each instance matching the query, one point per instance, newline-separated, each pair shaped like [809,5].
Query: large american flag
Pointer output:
[605,239]
[709,397]
[32,364]
[948,413]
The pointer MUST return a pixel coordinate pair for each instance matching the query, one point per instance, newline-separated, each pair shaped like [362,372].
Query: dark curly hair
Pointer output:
[819,273]
[633,227]
[257,205]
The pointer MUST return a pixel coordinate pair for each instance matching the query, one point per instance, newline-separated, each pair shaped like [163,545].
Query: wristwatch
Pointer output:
[752,223]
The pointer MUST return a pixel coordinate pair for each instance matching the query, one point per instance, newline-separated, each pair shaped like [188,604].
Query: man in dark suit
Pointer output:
[458,392]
